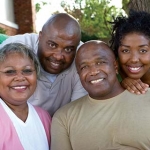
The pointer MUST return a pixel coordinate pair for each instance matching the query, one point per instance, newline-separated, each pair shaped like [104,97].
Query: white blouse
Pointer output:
[31,133]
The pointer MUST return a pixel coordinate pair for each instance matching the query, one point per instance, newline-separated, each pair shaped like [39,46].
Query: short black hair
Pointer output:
[136,21]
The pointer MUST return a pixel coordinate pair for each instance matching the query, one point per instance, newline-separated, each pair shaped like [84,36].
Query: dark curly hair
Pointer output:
[137,21]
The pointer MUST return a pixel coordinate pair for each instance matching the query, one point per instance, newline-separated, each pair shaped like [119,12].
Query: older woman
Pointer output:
[22,126]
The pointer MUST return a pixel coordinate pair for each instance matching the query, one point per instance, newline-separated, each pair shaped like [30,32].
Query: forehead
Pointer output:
[62,29]
[61,36]
[91,52]
[13,57]
[135,37]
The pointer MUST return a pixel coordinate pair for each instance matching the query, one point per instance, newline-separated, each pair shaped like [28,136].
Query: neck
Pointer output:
[21,111]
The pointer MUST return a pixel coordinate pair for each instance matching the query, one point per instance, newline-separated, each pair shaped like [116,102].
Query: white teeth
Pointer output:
[96,81]
[55,64]
[19,87]
[135,69]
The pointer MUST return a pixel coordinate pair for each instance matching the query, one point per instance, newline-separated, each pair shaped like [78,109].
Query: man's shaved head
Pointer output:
[58,42]
[63,21]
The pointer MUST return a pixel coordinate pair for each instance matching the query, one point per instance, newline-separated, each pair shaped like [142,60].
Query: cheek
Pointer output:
[69,58]
[83,76]
[33,80]
[5,82]
[145,59]
[123,59]
[43,51]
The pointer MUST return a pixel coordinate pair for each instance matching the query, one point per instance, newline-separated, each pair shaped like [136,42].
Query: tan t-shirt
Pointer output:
[118,123]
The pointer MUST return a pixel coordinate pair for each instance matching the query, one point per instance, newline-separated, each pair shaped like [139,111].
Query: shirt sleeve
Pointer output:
[30,40]
[59,136]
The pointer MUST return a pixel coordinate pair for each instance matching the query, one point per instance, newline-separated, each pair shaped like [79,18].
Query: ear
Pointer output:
[40,34]
[116,66]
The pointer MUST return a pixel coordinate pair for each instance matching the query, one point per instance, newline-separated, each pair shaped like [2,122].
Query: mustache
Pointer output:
[52,59]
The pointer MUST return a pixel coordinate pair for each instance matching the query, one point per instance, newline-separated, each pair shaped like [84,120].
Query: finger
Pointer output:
[142,87]
[134,89]
[131,88]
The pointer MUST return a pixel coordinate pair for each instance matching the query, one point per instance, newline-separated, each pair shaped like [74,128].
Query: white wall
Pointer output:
[7,13]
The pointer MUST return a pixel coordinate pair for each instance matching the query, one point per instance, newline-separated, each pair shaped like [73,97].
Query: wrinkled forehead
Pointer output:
[95,49]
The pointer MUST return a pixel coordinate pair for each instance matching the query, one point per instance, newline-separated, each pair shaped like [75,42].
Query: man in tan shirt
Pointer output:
[109,117]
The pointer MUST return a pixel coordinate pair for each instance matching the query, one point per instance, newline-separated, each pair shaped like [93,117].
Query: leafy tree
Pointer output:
[38,6]
[93,16]
[125,5]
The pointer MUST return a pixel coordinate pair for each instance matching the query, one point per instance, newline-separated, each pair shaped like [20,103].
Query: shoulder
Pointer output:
[133,99]
[71,108]
[21,37]
[42,113]
[146,95]
[29,39]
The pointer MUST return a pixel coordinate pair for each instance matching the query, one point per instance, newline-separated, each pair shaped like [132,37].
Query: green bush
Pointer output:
[3,31]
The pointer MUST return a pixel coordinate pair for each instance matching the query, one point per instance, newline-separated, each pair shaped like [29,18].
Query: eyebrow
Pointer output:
[72,46]
[97,59]
[51,41]
[138,46]
[22,66]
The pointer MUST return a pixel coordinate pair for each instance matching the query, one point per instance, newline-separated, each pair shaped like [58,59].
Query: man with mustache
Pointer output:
[55,47]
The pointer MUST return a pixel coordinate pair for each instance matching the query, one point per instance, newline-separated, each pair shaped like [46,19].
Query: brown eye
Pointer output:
[125,51]
[69,49]
[27,72]
[10,72]
[52,45]
[143,51]
[84,67]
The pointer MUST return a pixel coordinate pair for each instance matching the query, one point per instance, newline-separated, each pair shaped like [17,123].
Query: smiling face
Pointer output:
[16,89]
[97,69]
[58,42]
[134,55]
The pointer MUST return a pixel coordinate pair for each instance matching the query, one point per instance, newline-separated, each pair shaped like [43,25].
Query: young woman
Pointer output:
[131,44]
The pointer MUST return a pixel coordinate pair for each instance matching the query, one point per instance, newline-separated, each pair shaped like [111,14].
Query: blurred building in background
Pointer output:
[17,16]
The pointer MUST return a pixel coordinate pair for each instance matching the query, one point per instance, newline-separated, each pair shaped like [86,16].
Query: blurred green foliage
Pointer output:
[93,15]
[3,31]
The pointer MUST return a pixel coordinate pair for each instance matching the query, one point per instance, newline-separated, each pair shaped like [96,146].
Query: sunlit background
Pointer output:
[53,6]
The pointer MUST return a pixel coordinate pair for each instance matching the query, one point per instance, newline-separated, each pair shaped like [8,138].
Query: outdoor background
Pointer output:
[94,16]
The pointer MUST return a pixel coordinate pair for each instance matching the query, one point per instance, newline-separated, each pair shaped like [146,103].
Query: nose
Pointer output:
[19,76]
[134,58]
[94,71]
[58,55]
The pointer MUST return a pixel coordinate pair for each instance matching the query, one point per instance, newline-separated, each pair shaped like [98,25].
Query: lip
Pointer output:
[134,69]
